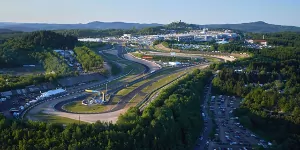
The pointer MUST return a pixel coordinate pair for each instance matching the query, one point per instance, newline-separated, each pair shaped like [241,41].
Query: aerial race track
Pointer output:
[54,106]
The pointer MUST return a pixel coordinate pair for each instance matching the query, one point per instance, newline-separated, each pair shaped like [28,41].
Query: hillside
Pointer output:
[4,31]
[31,47]
[28,27]
[259,26]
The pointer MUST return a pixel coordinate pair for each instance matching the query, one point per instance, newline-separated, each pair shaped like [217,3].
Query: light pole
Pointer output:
[79,118]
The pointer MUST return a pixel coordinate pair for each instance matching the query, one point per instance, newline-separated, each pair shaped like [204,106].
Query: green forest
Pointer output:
[171,121]
[35,48]
[269,83]
[89,60]
[291,39]
[31,48]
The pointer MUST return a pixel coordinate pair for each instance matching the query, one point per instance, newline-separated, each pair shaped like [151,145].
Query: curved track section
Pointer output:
[121,55]
[54,106]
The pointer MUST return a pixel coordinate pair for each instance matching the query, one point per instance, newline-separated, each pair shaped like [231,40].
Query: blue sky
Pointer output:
[283,12]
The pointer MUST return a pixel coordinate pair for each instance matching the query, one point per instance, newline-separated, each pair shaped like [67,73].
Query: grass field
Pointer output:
[79,108]
[212,59]
[126,91]
[162,82]
[148,89]
[55,119]
[159,83]
[128,66]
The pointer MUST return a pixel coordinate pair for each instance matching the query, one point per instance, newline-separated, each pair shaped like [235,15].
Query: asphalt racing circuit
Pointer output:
[54,105]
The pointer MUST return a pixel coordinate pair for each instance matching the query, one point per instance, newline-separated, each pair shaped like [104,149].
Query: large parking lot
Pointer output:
[230,134]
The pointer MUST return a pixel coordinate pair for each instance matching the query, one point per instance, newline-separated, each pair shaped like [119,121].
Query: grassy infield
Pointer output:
[76,106]
[55,119]
[147,89]
[136,69]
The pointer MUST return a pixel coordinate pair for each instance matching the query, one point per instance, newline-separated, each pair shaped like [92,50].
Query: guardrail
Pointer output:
[24,112]
[140,104]
[111,92]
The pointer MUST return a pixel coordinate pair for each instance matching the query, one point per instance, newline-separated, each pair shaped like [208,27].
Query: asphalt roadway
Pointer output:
[200,56]
[48,106]
[202,142]
[111,116]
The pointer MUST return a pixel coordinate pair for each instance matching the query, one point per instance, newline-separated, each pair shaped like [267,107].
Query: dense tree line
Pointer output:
[177,27]
[55,64]
[291,39]
[4,36]
[270,85]
[42,40]
[94,33]
[24,49]
[89,60]
[34,48]
[231,47]
[172,121]
[9,82]
[282,53]
[92,45]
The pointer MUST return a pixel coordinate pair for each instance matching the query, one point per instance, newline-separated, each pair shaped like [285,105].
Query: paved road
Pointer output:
[230,132]
[47,107]
[202,144]
[153,66]
[200,56]
[91,118]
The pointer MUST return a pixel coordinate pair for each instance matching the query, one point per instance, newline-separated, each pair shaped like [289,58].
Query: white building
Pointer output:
[126,36]
[174,63]
[185,38]
[261,42]
[222,42]
[90,40]
[51,93]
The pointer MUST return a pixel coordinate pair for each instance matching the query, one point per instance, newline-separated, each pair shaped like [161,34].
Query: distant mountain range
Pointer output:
[28,27]
[6,31]
[259,26]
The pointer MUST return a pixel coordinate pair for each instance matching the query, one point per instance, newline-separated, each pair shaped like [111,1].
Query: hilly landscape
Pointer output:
[28,27]
[258,27]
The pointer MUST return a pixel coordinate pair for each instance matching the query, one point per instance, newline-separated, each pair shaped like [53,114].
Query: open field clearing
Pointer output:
[79,108]
[55,119]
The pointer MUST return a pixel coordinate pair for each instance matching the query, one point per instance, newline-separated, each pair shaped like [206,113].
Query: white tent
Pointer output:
[52,92]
